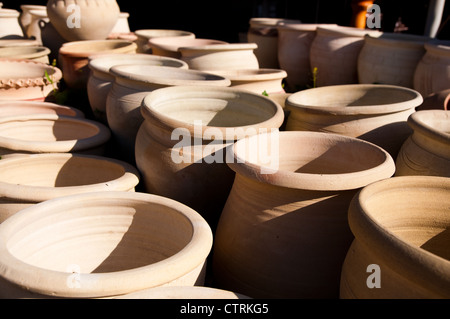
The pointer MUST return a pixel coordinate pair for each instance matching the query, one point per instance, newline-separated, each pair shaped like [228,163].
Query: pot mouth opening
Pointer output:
[156,33]
[104,63]
[434,123]
[89,47]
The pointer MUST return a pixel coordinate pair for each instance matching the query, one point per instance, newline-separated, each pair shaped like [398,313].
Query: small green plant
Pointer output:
[315,70]
[265,93]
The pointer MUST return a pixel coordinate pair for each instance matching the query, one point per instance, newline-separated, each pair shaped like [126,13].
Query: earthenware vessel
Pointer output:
[35,53]
[144,35]
[9,24]
[26,17]
[436,101]
[169,46]
[19,108]
[184,292]
[33,30]
[121,25]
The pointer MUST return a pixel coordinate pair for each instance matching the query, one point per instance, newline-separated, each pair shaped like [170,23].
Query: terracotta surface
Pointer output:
[26,18]
[169,46]
[9,24]
[144,35]
[19,108]
[34,53]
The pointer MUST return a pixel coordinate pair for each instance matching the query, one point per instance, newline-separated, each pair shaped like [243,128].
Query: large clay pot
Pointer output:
[391,58]
[27,80]
[35,53]
[334,52]
[121,26]
[33,30]
[74,58]
[47,133]
[26,17]
[102,245]
[9,24]
[132,84]
[401,255]
[231,56]
[4,43]
[83,20]
[284,233]
[432,73]
[28,180]
[184,292]
[175,151]
[144,35]
[19,108]
[372,112]
[427,150]
[100,79]
[169,46]
[264,32]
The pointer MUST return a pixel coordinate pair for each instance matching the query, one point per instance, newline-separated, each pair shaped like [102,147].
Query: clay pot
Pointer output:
[284,233]
[144,35]
[184,292]
[74,58]
[334,52]
[35,53]
[33,30]
[19,108]
[26,17]
[4,43]
[264,32]
[169,46]
[47,133]
[436,101]
[100,80]
[294,45]
[372,112]
[27,80]
[408,250]
[432,73]
[132,84]
[103,245]
[427,150]
[121,25]
[391,58]
[83,20]
[28,180]
[9,24]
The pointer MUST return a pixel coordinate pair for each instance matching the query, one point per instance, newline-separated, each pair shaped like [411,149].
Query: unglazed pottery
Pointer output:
[4,43]
[401,255]
[74,58]
[102,245]
[121,25]
[77,20]
[169,46]
[181,145]
[184,292]
[436,101]
[334,52]
[30,179]
[132,84]
[283,232]
[100,79]
[27,80]
[33,30]
[26,17]
[373,112]
[35,53]
[427,150]
[19,108]
[230,56]
[9,24]
[144,35]
[390,58]
[49,133]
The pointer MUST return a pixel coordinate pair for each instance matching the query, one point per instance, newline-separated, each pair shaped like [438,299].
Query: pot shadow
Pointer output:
[439,244]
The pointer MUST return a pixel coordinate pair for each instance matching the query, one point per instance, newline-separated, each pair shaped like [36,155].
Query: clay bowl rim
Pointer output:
[45,105]
[261,74]
[346,31]
[143,33]
[219,47]
[114,45]
[295,27]
[419,122]
[26,52]
[173,44]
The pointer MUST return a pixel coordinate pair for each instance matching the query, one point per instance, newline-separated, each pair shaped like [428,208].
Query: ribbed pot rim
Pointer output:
[86,48]
[38,193]
[97,285]
[41,105]
[419,265]
[312,181]
[9,13]
[344,31]
[294,101]
[422,122]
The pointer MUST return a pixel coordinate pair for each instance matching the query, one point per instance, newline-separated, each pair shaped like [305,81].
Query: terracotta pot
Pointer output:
[132,84]
[231,56]
[35,53]
[34,29]
[169,46]
[391,58]
[174,149]
[9,24]
[19,108]
[121,25]
[28,180]
[27,80]
[26,17]
[123,242]
[334,52]
[264,32]
[100,80]
[372,112]
[432,73]
[88,20]
[409,249]
[144,35]
[74,58]
[294,44]
[284,233]
[427,150]
[4,43]
[184,292]
[47,133]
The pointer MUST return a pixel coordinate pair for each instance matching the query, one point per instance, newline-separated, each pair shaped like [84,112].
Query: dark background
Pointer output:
[224,20]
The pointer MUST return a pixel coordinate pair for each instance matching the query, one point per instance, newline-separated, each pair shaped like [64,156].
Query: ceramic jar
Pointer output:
[169,46]
[27,80]
[4,43]
[181,145]
[427,150]
[124,242]
[36,53]
[334,52]
[144,35]
[47,133]
[100,80]
[432,73]
[402,255]
[283,233]
[83,20]
[19,108]
[34,28]
[294,45]
[373,112]
[391,58]
[28,180]
[74,58]
[264,32]
[9,24]
[121,25]
[26,17]
[183,292]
